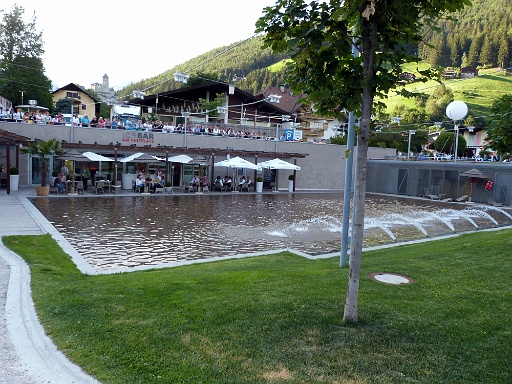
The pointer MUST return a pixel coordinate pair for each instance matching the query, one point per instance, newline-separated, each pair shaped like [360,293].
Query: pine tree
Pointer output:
[487,53]
[474,51]
[504,52]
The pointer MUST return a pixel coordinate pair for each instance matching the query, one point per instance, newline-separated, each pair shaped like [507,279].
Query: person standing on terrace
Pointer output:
[76,120]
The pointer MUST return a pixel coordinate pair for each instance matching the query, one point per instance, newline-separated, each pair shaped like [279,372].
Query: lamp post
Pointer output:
[284,119]
[409,144]
[456,110]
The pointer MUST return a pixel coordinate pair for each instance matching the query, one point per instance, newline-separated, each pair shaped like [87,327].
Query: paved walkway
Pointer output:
[27,355]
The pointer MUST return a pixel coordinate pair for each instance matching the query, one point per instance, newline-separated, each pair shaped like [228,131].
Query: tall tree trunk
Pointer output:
[368,38]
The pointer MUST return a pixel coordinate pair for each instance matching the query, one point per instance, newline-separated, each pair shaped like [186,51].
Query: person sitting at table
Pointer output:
[59,183]
[227,183]
[159,183]
[149,183]
[195,182]
[217,184]
[205,182]
[241,183]
[139,184]
[249,182]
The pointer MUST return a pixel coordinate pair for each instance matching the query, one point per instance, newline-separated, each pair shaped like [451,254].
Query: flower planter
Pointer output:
[15,182]
[259,186]
[290,185]
[42,191]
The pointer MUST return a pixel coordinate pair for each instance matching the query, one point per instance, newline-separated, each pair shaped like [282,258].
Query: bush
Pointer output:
[168,184]
[14,171]
[259,178]
[290,177]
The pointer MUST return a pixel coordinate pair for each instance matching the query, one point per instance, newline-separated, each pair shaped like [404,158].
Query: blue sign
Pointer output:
[289,134]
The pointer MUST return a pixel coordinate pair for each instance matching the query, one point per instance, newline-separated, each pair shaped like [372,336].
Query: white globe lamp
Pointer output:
[456,110]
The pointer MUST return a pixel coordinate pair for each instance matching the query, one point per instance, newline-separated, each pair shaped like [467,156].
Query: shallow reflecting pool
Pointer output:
[121,232]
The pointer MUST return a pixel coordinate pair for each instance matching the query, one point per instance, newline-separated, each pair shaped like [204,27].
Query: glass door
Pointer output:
[35,170]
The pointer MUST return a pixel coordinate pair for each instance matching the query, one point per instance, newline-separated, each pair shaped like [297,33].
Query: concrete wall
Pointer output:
[323,167]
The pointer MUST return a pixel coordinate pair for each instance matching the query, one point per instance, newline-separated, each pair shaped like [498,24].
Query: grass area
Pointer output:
[278,319]
[478,93]
[278,66]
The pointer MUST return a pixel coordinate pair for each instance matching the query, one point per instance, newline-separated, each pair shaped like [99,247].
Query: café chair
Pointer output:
[80,187]
[159,190]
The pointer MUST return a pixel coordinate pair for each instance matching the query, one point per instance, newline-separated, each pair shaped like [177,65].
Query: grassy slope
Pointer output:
[278,318]
[478,93]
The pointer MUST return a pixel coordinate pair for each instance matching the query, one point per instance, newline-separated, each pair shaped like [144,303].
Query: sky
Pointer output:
[133,40]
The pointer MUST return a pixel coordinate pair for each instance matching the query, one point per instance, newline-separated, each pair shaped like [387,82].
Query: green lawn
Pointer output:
[278,319]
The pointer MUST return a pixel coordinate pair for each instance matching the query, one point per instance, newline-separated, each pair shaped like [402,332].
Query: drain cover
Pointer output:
[390,278]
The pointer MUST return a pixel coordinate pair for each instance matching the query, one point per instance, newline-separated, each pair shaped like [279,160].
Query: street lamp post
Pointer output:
[456,110]
[409,144]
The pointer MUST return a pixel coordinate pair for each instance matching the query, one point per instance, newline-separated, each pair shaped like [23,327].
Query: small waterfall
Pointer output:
[441,219]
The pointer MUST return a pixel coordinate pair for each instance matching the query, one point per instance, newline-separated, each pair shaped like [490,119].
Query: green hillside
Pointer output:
[478,92]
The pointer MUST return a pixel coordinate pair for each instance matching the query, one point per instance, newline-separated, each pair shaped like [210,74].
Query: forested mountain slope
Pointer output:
[243,62]
[481,36]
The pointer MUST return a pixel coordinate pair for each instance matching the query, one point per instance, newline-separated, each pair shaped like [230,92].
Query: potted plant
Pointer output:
[290,183]
[259,184]
[43,149]
[168,186]
[14,178]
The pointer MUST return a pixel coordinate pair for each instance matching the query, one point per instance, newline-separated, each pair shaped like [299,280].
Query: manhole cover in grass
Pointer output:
[390,278]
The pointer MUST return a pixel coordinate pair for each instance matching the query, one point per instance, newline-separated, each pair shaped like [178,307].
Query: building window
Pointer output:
[84,107]
[73,95]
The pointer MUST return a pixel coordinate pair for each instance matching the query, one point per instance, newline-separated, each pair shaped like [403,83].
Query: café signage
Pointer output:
[138,137]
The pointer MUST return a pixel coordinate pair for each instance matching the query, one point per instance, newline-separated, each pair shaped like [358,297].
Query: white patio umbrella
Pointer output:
[278,164]
[184,159]
[180,159]
[97,157]
[237,162]
[141,157]
[74,156]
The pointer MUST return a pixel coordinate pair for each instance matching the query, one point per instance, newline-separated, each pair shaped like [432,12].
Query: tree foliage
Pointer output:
[63,105]
[212,104]
[445,143]
[481,35]
[318,37]
[21,67]
[499,130]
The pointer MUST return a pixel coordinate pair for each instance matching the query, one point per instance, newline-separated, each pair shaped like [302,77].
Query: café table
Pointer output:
[104,185]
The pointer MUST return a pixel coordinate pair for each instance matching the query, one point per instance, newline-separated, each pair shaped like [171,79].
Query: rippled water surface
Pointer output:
[120,232]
